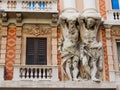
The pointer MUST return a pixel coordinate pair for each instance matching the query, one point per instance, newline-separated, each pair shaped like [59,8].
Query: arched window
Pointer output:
[115,4]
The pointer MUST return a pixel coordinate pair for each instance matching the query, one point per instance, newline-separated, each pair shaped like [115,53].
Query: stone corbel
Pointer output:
[18,17]
[4,17]
[54,18]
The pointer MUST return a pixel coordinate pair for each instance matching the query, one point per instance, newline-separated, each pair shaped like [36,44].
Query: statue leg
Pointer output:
[100,62]
[75,71]
[68,69]
[94,71]
[100,67]
[86,66]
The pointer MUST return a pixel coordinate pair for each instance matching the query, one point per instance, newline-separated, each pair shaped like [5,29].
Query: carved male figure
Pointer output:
[69,41]
[92,48]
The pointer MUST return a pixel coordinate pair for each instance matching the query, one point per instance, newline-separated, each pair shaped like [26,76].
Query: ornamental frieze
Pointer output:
[115,32]
[37,30]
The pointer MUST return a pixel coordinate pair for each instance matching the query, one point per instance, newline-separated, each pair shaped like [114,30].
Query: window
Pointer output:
[118,51]
[115,4]
[36,51]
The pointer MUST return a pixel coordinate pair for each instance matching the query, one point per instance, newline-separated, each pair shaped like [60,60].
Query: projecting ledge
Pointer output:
[58,84]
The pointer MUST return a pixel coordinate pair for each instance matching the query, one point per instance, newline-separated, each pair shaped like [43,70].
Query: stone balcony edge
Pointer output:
[57,84]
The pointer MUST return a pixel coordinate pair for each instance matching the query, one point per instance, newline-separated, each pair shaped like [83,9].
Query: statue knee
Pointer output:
[68,63]
[100,66]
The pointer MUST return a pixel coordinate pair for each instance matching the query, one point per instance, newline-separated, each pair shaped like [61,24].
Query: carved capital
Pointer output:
[37,30]
[107,26]
[54,18]
[4,17]
[18,17]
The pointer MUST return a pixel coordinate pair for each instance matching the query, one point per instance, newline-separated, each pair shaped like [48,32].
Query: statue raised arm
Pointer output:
[92,47]
[70,35]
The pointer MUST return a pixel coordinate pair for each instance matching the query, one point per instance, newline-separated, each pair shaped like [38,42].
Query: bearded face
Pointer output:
[90,23]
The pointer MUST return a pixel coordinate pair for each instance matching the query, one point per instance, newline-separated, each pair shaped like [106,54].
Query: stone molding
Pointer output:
[60,85]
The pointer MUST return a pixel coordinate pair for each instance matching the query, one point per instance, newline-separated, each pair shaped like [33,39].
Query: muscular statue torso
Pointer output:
[70,36]
[87,36]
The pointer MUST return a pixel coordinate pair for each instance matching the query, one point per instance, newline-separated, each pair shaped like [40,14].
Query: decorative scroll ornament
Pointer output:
[37,30]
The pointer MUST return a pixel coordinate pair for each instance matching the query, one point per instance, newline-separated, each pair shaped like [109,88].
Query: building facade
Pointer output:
[29,43]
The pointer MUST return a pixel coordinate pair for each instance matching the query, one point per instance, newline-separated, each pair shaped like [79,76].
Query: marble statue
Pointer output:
[92,49]
[81,52]
[69,41]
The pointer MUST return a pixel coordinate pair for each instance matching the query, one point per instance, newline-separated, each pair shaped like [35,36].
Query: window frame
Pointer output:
[118,41]
[115,53]
[36,53]
[49,54]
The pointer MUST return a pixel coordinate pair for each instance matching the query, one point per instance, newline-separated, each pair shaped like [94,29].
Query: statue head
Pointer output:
[62,20]
[90,22]
[71,22]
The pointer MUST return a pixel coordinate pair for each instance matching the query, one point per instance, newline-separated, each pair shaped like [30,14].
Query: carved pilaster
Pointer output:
[3,44]
[18,44]
[54,46]
[110,52]
[10,52]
